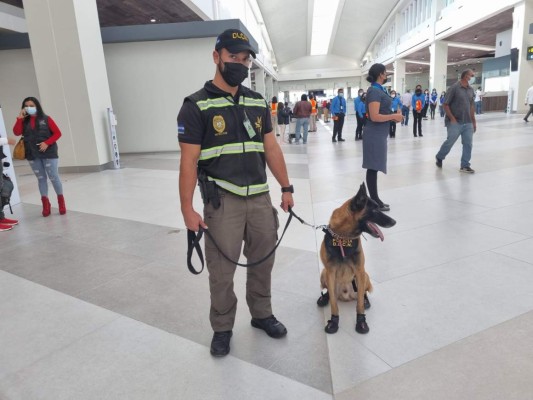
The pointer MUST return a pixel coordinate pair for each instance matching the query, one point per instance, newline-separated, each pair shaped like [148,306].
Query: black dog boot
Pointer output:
[333,324]
[323,300]
[361,326]
[367,302]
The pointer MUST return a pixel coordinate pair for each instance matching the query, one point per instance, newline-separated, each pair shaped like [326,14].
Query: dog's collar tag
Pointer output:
[342,242]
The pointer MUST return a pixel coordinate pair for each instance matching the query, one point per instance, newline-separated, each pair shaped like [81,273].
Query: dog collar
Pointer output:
[340,241]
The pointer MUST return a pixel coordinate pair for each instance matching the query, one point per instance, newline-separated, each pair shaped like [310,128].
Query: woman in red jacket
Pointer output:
[40,136]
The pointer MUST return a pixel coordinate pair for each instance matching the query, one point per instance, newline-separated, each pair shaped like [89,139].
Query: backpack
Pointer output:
[418,105]
[5,192]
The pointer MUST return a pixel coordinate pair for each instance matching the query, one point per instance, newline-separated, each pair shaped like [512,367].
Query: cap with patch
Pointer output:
[234,41]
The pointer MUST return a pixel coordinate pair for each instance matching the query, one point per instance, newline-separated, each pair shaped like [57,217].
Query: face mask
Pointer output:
[472,80]
[418,91]
[393,96]
[360,94]
[341,94]
[386,80]
[31,110]
[233,73]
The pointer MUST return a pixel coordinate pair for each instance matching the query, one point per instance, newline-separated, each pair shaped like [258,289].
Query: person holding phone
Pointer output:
[40,138]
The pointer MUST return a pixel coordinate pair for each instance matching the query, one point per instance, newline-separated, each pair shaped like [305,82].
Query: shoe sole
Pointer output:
[466,172]
[256,325]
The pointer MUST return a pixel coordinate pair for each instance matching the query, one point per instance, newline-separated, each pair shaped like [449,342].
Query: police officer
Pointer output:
[226,141]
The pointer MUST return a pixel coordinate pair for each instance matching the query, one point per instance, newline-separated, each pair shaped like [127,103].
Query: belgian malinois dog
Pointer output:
[343,257]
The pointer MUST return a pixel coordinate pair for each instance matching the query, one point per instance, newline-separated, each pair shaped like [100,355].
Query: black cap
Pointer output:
[234,41]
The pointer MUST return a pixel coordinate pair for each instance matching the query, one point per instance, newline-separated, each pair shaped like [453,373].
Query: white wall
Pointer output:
[17,81]
[503,43]
[148,82]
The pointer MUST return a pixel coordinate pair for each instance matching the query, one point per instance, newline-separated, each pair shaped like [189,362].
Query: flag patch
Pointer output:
[181,129]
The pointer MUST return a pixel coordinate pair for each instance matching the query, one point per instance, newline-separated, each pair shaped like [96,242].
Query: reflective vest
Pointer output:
[228,156]
[274,109]
[313,106]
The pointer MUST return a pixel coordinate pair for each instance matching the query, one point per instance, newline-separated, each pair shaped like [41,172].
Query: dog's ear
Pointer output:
[359,200]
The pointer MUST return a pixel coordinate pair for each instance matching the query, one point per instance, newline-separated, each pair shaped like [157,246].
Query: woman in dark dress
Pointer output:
[377,130]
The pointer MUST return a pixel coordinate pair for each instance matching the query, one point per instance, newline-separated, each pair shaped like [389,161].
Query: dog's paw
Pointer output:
[361,326]
[323,300]
[333,324]
[367,302]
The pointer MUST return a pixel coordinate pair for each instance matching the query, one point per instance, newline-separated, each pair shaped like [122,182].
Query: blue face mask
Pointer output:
[31,110]
[472,80]
[341,94]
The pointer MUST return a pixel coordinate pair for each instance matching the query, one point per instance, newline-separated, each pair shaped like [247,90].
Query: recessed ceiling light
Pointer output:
[153,20]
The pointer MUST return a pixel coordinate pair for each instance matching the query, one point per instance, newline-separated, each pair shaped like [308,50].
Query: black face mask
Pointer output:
[386,80]
[233,73]
[418,91]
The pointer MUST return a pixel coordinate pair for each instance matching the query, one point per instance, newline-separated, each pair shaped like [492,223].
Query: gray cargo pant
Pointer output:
[254,221]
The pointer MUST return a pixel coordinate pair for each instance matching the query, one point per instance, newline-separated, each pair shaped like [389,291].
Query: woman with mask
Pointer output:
[356,102]
[40,136]
[379,109]
[441,104]
[433,102]
[418,103]
[426,105]
[396,106]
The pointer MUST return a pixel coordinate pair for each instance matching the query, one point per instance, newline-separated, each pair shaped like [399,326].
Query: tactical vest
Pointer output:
[228,156]
[33,136]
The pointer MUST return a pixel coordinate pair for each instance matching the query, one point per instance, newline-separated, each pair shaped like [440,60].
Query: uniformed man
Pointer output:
[226,141]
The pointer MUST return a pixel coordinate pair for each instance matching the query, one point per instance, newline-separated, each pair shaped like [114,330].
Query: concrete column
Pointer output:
[438,65]
[260,81]
[398,82]
[521,80]
[269,88]
[68,55]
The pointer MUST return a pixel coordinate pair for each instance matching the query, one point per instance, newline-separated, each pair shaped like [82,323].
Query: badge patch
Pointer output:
[219,124]
[259,123]
[181,129]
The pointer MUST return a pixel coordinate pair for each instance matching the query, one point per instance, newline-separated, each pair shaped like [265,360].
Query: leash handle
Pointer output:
[193,243]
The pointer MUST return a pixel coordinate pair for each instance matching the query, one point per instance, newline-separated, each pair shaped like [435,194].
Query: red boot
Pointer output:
[46,206]
[62,206]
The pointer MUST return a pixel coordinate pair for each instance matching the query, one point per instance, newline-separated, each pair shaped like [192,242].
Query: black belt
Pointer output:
[193,243]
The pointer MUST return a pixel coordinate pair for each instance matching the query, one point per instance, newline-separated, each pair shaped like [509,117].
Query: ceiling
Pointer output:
[289,28]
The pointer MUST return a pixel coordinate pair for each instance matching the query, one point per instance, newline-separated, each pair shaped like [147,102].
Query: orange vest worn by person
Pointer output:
[313,106]
[274,109]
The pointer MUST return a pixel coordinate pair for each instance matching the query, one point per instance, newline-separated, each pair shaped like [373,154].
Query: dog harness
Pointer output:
[333,239]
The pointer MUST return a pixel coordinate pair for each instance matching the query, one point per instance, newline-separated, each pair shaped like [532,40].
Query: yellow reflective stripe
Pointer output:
[251,102]
[240,190]
[214,103]
[232,148]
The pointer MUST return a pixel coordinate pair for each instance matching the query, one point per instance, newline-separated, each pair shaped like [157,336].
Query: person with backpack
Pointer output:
[418,102]
[283,118]
[5,223]
[40,139]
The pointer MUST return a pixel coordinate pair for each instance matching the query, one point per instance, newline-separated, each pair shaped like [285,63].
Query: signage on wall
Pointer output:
[530,53]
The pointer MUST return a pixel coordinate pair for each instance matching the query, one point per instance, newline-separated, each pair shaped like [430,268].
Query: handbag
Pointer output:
[19,152]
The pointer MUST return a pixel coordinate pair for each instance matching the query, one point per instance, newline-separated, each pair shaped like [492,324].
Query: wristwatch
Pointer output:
[287,189]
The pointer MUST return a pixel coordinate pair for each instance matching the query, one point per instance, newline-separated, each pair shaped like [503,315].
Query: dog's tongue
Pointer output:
[375,228]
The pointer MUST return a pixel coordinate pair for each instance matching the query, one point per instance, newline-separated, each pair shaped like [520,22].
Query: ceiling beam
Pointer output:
[471,46]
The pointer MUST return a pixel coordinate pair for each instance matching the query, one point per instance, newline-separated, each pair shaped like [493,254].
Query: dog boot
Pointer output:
[62,206]
[367,302]
[46,206]
[361,326]
[333,324]
[323,300]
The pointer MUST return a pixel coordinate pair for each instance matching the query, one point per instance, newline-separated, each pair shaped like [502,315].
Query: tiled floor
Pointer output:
[99,304]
